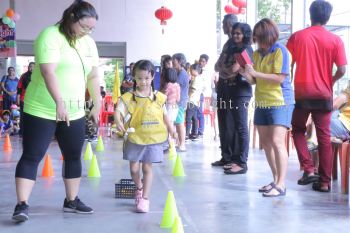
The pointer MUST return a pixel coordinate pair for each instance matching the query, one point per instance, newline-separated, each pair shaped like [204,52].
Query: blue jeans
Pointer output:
[239,124]
[338,130]
[191,119]
[200,116]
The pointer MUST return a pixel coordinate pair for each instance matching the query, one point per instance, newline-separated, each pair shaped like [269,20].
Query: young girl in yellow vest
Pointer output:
[142,114]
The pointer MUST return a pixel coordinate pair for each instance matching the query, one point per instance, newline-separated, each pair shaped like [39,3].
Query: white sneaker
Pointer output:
[142,206]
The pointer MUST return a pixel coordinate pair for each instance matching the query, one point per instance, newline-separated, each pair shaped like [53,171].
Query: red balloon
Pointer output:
[242,11]
[229,9]
[10,13]
[239,3]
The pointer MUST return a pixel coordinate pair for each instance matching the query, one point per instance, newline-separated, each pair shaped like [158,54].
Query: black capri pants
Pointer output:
[37,135]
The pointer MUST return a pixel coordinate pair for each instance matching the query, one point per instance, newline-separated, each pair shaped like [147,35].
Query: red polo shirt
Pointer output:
[315,50]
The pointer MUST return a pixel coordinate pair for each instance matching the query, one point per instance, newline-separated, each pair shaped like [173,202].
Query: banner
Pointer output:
[7,37]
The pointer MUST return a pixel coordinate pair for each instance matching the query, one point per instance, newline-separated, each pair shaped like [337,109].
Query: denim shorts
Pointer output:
[276,115]
[143,153]
[338,129]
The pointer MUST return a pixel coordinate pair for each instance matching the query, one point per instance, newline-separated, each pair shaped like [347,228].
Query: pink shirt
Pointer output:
[172,91]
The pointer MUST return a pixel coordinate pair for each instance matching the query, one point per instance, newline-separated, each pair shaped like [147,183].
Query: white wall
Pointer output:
[191,30]
[4,5]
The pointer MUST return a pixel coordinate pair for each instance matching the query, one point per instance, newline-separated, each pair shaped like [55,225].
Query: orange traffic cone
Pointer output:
[7,144]
[47,169]
[61,157]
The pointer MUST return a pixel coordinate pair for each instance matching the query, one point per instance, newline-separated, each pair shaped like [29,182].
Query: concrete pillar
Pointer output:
[252,12]
[299,9]
[12,4]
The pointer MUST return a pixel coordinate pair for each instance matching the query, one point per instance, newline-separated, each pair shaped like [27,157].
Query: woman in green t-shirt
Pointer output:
[67,61]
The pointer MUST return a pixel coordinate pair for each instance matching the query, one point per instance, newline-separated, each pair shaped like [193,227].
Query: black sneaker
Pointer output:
[76,206]
[93,139]
[21,212]
[194,137]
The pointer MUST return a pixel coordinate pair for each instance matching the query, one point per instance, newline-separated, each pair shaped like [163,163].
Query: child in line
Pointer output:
[144,111]
[7,124]
[15,111]
[172,92]
[195,91]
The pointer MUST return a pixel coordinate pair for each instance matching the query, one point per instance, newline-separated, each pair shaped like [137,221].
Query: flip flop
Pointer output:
[227,166]
[306,179]
[317,186]
[264,189]
[280,193]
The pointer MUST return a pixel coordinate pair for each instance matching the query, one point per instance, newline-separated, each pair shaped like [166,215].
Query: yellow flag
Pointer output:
[116,86]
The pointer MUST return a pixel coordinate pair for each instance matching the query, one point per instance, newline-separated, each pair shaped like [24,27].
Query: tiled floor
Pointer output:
[208,201]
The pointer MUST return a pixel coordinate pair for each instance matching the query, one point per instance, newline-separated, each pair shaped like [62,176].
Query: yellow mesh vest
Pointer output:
[146,119]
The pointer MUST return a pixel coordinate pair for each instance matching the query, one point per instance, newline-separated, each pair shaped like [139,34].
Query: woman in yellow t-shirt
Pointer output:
[67,60]
[274,101]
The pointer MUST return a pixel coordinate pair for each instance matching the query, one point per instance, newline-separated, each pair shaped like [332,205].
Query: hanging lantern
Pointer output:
[239,3]
[163,14]
[230,9]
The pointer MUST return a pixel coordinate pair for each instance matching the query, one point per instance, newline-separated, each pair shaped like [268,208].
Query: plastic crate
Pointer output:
[125,189]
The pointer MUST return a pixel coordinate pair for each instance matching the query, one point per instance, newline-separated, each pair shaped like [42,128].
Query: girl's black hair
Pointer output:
[143,65]
[196,67]
[246,31]
[75,12]
[165,59]
[170,75]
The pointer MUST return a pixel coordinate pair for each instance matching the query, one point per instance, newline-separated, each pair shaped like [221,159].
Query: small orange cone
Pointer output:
[61,157]
[7,144]
[47,169]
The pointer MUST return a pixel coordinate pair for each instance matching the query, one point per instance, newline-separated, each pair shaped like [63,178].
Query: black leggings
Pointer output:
[37,135]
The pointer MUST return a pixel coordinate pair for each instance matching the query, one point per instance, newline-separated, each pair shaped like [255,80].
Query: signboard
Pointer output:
[7,37]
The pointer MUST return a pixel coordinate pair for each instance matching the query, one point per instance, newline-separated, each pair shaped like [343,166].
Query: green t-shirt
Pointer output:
[52,47]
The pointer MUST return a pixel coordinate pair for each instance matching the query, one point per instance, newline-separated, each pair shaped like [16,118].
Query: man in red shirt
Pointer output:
[21,91]
[314,51]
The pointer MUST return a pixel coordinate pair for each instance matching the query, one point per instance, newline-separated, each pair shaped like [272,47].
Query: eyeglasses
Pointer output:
[85,29]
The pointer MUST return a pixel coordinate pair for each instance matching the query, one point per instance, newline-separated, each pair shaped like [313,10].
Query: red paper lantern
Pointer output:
[229,9]
[163,14]
[239,3]
[242,11]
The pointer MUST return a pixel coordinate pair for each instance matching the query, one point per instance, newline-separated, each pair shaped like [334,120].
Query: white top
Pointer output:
[196,89]
[207,75]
